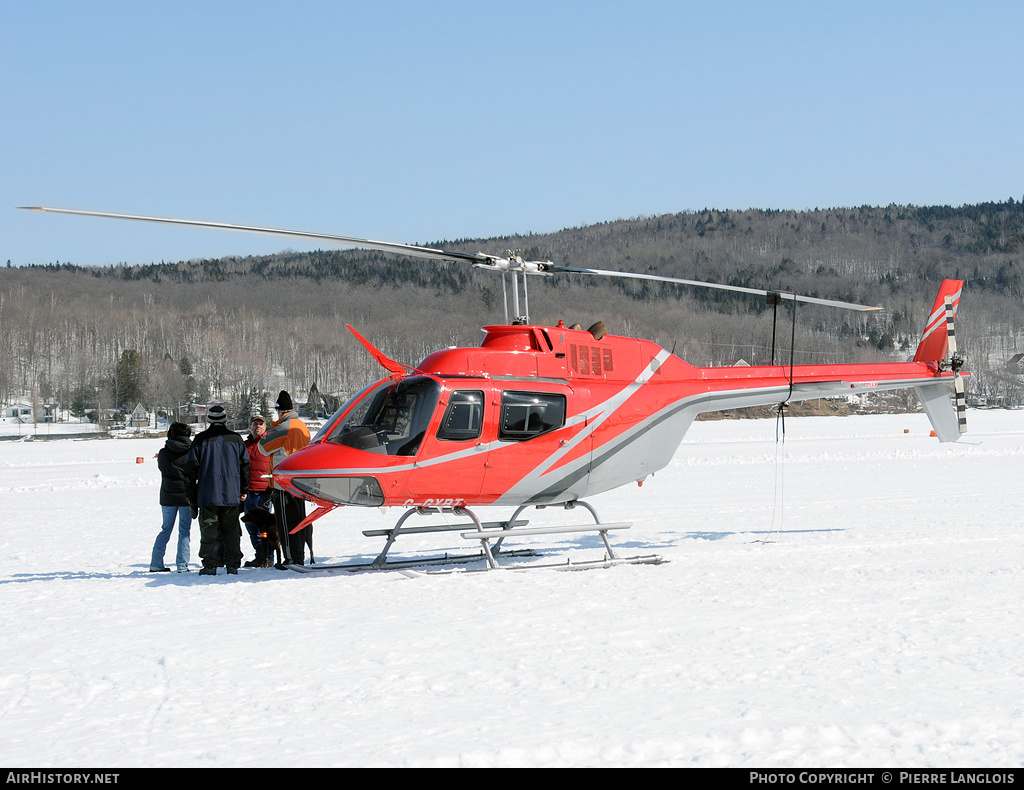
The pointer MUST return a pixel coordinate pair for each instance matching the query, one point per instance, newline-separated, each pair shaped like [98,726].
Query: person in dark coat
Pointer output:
[173,498]
[217,477]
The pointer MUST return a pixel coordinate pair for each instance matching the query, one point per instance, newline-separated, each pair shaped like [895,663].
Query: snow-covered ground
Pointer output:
[880,626]
[43,430]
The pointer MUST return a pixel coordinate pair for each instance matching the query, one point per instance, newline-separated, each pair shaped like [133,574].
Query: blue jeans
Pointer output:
[184,517]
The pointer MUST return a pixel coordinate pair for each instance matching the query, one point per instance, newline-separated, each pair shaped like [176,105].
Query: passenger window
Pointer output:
[525,415]
[464,417]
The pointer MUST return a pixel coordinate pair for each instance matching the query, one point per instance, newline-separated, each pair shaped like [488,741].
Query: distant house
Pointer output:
[138,417]
[192,413]
[18,411]
[112,418]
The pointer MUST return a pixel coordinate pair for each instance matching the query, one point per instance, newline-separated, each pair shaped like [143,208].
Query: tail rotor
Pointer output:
[955,363]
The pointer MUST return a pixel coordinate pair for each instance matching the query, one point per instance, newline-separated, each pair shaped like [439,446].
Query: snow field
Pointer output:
[878,625]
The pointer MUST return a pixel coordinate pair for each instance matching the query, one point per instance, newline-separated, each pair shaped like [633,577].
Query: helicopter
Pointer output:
[541,416]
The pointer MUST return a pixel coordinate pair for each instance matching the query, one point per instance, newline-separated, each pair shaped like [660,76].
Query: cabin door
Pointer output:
[452,464]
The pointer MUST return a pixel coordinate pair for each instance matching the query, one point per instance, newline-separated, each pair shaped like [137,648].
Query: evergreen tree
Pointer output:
[128,379]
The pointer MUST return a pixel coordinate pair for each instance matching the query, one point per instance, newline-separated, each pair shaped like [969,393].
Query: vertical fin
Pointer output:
[935,400]
[934,343]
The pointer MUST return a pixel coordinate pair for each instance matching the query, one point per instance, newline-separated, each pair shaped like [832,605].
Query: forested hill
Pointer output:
[749,247]
[245,325]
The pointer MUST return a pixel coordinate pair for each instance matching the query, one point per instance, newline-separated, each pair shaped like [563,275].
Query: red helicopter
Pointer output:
[549,415]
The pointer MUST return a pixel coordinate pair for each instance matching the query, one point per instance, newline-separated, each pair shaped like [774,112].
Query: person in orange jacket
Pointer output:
[286,435]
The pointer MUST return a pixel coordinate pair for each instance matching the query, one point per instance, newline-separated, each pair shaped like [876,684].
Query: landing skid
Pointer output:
[491,536]
[461,559]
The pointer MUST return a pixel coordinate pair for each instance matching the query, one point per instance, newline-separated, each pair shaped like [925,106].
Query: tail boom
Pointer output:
[928,375]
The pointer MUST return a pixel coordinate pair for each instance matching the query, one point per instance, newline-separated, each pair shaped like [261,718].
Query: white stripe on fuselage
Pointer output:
[593,417]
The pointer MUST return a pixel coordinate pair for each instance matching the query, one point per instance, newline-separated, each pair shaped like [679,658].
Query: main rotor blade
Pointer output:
[481,259]
[383,246]
[719,286]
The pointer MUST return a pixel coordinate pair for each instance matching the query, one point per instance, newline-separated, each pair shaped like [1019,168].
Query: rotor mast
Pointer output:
[514,264]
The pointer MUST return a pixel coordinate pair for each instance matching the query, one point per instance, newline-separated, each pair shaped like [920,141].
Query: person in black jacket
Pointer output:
[173,499]
[217,478]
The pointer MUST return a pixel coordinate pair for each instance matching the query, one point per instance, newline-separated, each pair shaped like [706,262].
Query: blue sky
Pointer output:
[421,121]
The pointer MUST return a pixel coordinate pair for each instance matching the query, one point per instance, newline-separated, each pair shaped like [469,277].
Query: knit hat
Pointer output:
[284,401]
[217,414]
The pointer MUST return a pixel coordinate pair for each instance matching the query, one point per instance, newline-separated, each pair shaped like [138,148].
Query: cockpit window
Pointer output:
[329,424]
[390,418]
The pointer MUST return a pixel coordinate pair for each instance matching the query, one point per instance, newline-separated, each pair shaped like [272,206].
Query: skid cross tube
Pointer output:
[493,531]
[393,533]
[568,506]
